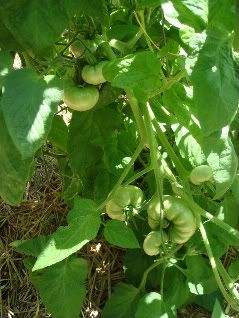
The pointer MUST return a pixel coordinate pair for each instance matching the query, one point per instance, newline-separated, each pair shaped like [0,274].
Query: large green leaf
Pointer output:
[122,303]
[153,306]
[28,104]
[31,247]
[84,222]
[14,172]
[140,72]
[210,65]
[119,234]
[181,13]
[6,62]
[37,24]
[62,287]
[58,134]
[200,276]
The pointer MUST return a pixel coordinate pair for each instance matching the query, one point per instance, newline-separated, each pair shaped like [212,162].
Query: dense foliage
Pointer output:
[149,156]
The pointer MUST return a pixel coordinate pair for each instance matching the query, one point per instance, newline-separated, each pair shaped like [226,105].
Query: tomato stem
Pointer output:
[212,260]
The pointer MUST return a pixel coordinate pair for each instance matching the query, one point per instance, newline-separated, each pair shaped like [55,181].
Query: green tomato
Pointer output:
[92,74]
[152,223]
[155,210]
[153,241]
[123,197]
[201,174]
[115,211]
[183,222]
[80,98]
[136,196]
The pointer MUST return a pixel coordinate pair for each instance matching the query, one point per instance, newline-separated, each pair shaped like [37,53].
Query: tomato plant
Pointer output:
[149,157]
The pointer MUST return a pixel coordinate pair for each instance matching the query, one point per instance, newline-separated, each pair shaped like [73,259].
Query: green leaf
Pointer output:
[153,306]
[180,13]
[5,64]
[31,247]
[138,72]
[37,24]
[62,287]
[220,240]
[14,172]
[217,310]
[176,291]
[133,274]
[215,85]
[230,205]
[122,303]
[58,134]
[30,109]
[82,208]
[233,269]
[216,151]
[119,234]
[84,223]
[200,276]
[97,9]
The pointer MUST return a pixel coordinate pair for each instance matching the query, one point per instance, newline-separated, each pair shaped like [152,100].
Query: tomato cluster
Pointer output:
[86,97]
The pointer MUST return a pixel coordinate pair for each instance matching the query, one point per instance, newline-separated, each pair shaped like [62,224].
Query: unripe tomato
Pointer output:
[201,174]
[152,223]
[183,222]
[80,98]
[136,196]
[123,197]
[115,211]
[92,74]
[155,210]
[153,241]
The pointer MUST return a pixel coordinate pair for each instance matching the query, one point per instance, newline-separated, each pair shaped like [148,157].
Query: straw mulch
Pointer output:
[41,212]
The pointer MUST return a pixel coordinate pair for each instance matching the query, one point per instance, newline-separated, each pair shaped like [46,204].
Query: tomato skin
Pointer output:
[155,209]
[183,221]
[201,174]
[92,74]
[80,98]
[123,197]
[115,211]
[153,241]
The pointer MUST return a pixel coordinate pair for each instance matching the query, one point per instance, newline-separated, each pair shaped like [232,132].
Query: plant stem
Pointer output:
[214,267]
[157,263]
[164,141]
[123,175]
[153,149]
[137,115]
[168,83]
[148,270]
[138,175]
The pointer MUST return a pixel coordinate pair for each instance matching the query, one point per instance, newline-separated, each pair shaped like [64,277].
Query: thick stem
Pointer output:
[164,141]
[227,297]
[137,115]
[153,149]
